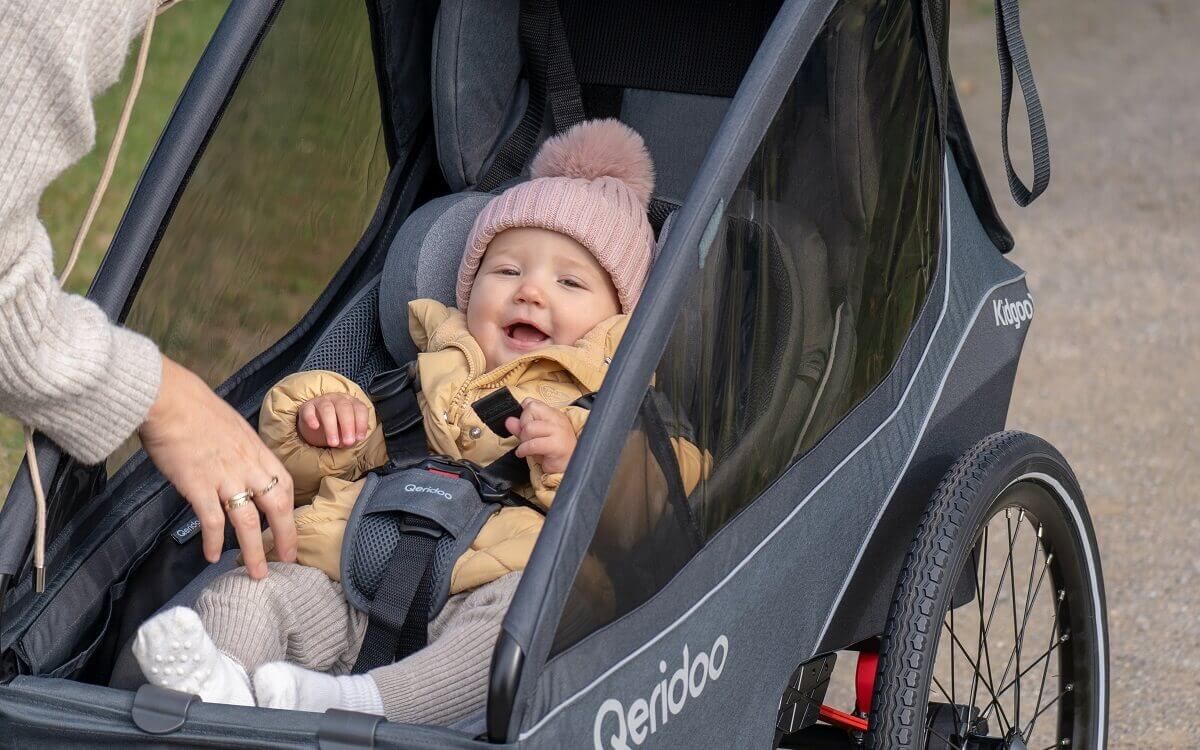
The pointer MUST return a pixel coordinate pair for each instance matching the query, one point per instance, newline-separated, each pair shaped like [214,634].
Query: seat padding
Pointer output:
[422,262]
[478,92]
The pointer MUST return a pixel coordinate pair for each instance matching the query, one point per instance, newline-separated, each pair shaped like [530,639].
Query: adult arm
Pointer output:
[65,369]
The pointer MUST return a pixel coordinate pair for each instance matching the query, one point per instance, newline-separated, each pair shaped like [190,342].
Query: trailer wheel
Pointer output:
[1021,661]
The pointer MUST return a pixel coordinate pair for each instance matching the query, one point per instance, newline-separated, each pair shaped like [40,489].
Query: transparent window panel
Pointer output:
[822,261]
[279,198]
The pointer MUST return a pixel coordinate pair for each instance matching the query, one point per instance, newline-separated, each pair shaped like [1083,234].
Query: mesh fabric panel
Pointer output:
[353,345]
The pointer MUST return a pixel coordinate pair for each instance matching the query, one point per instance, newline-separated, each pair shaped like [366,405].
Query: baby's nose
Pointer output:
[530,293]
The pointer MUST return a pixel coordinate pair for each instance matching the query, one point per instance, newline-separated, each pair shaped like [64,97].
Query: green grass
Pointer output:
[179,38]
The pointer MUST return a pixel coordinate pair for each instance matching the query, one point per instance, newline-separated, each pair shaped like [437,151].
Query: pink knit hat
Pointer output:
[592,183]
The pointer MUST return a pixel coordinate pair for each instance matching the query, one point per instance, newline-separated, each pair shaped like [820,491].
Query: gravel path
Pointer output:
[1109,373]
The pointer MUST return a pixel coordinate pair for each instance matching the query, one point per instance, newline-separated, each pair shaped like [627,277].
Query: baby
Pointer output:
[551,271]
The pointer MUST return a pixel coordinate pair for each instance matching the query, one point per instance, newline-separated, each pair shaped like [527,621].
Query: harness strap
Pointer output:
[658,439]
[659,211]
[399,614]
[1010,46]
[394,394]
[551,76]
[495,408]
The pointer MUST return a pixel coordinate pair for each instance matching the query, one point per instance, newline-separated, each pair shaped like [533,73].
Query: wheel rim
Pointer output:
[1015,667]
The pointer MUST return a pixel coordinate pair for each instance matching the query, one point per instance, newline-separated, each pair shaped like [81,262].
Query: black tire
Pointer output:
[1006,476]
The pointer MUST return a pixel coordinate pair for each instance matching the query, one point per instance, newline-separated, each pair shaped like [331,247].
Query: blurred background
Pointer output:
[1110,364]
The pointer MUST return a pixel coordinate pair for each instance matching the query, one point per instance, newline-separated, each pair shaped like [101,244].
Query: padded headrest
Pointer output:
[653,65]
[422,263]
[478,92]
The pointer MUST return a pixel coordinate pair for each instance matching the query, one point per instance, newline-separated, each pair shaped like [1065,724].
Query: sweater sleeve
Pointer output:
[64,368]
[308,464]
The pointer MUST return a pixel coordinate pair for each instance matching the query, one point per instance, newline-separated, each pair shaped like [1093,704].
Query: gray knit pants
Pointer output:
[297,614]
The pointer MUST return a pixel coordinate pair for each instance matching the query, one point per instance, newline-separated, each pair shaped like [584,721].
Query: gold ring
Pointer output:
[238,500]
[270,486]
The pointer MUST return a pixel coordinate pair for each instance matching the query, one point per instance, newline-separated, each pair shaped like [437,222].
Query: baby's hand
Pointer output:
[335,420]
[545,434]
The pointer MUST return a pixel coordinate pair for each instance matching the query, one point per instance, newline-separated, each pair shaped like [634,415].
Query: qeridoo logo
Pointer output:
[430,490]
[619,726]
[1013,313]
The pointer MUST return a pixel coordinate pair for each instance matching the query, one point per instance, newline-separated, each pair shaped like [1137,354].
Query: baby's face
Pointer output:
[536,288]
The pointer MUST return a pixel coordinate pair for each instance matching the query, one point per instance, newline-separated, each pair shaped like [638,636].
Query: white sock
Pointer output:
[174,652]
[283,685]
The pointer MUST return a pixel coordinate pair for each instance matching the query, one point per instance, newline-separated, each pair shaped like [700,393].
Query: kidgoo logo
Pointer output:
[619,726]
[1013,313]
[430,490]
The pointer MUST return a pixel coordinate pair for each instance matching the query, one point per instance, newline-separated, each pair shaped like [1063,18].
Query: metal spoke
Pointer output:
[1012,587]
[1031,666]
[979,588]
[942,737]
[1028,611]
[1057,698]
[939,685]
[981,680]
[985,629]
[1046,666]
[953,654]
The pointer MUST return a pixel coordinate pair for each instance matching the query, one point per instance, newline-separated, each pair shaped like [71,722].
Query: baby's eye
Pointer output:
[571,283]
[507,271]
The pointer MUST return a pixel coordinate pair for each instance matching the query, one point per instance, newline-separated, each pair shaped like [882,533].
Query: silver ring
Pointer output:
[270,486]
[242,498]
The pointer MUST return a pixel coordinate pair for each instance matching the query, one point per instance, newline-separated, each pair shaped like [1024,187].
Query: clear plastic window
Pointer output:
[820,265]
[279,198]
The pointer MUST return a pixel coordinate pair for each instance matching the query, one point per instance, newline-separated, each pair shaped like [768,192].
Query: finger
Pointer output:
[362,416]
[308,412]
[532,407]
[277,506]
[345,417]
[207,507]
[538,447]
[248,527]
[531,412]
[539,428]
[328,414]
[513,425]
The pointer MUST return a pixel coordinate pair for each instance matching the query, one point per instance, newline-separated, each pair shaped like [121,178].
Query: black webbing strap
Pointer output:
[659,211]
[1010,46]
[394,394]
[495,408]
[551,77]
[659,442]
[399,614]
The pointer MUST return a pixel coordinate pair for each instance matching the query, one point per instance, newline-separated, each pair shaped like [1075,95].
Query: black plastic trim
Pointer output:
[347,730]
[157,710]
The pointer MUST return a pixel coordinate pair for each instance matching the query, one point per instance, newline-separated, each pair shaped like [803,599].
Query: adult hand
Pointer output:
[205,448]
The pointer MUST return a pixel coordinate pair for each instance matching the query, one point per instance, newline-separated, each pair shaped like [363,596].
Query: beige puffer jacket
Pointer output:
[451,365]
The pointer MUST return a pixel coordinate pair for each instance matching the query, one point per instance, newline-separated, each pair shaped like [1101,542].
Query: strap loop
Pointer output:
[1010,47]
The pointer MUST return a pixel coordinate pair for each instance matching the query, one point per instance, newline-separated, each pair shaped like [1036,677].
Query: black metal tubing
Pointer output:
[507,660]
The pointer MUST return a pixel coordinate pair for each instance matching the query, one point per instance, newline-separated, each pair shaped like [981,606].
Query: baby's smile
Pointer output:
[524,335]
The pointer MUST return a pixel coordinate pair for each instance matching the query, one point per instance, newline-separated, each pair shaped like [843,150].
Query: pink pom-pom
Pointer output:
[599,148]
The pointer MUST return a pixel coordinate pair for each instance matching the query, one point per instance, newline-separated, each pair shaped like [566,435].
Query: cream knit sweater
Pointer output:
[64,368]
